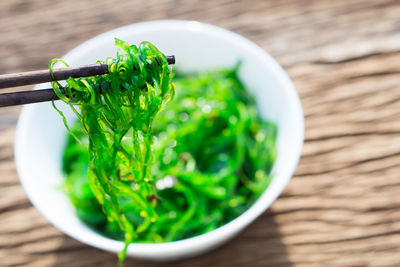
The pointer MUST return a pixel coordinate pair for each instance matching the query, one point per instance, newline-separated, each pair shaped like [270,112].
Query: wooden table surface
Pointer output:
[342,208]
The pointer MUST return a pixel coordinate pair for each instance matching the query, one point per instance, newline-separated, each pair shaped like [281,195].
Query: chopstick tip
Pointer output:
[171,59]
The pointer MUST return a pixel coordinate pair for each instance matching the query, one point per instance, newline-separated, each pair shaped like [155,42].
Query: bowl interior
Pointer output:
[41,134]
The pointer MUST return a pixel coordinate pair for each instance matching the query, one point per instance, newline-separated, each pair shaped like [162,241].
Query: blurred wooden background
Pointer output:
[342,208]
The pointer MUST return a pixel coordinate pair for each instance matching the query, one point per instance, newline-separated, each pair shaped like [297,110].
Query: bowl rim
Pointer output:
[224,232]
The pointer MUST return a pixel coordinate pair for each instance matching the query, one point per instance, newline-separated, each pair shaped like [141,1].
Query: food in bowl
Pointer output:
[198,164]
[116,112]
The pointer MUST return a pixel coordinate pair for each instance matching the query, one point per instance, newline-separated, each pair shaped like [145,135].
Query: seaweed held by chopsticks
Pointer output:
[116,112]
[212,154]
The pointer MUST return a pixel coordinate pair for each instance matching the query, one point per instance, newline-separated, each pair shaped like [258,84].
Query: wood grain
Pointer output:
[342,208]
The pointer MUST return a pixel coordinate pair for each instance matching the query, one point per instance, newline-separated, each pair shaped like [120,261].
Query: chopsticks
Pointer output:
[42,76]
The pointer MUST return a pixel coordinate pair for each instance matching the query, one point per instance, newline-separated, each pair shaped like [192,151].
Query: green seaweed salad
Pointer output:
[143,165]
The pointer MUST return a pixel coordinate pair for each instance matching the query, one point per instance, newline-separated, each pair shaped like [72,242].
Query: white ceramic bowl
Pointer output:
[40,136]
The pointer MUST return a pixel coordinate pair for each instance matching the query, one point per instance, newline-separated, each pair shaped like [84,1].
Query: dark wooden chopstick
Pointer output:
[27,97]
[60,74]
[42,76]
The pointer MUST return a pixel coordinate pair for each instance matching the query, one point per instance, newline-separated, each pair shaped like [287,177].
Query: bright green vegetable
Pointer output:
[212,157]
[116,113]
